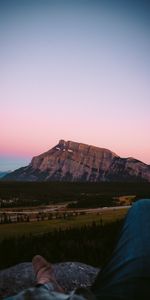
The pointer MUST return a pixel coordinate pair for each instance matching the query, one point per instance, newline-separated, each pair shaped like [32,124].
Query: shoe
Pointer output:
[44,272]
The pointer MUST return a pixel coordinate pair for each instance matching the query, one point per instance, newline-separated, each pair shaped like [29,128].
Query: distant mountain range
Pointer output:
[2,173]
[72,161]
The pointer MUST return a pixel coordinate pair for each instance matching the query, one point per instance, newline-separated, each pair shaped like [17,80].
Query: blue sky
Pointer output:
[75,70]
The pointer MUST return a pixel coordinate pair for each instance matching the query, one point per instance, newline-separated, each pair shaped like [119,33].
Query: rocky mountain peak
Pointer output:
[75,146]
[72,161]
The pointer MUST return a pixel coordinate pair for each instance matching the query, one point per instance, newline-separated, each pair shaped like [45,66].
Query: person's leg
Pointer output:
[46,287]
[127,275]
[39,292]
[44,273]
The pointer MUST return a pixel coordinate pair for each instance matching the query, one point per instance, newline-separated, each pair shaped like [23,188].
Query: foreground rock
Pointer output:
[69,275]
[71,161]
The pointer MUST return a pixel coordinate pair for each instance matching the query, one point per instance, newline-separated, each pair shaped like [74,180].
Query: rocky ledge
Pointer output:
[70,275]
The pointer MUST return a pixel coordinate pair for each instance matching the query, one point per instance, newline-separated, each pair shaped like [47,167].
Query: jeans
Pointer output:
[127,274]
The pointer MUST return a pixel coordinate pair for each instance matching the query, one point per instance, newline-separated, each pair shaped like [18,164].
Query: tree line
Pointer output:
[6,218]
[19,194]
[91,244]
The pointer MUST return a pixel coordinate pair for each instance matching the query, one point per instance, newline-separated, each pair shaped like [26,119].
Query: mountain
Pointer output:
[72,161]
[3,173]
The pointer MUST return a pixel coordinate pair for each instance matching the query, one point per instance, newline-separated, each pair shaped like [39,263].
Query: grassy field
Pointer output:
[41,227]
[88,238]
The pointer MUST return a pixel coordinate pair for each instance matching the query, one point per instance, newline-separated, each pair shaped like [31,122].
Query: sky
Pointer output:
[74,70]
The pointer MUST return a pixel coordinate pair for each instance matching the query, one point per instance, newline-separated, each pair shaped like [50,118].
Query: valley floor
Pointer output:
[80,218]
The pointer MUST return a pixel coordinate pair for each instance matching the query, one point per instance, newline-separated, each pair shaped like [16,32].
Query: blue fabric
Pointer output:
[127,275]
[42,292]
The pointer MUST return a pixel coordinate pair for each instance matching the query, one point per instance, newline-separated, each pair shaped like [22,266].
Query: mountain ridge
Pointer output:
[3,173]
[73,161]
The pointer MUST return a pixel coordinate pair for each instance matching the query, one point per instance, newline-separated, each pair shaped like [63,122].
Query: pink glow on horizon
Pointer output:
[37,149]
[74,74]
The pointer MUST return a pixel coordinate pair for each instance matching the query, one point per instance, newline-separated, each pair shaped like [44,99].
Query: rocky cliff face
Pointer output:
[71,161]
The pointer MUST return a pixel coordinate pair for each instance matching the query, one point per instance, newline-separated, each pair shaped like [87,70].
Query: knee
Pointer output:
[142,204]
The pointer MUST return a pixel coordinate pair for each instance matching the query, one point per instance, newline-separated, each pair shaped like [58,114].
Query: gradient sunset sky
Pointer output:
[75,70]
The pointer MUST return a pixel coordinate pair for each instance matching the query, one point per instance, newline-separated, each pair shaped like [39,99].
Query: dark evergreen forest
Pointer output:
[91,244]
[43,193]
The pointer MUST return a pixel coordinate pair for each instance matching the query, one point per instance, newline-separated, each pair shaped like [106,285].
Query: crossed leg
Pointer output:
[127,275]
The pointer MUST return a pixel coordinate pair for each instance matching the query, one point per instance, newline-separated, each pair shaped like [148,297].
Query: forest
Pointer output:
[62,242]
[21,194]
[97,240]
